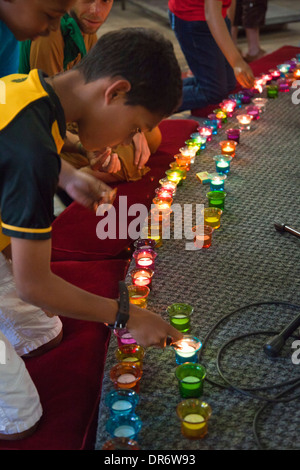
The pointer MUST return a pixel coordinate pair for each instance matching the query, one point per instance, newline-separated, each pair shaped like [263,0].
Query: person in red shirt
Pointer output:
[203,31]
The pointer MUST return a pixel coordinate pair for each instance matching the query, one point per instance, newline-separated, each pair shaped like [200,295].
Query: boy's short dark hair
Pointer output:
[143,57]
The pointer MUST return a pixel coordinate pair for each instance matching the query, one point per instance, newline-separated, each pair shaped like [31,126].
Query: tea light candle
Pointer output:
[184,161]
[222,163]
[214,123]
[194,416]
[162,204]
[244,121]
[164,193]
[186,349]
[228,106]
[124,337]
[203,235]
[297,73]
[275,74]
[124,431]
[228,147]
[260,103]
[142,277]
[237,99]
[189,151]
[253,111]
[175,176]
[216,199]
[121,401]
[144,242]
[233,134]
[199,139]
[212,217]
[168,185]
[284,68]
[124,426]
[205,132]
[179,315]
[245,96]
[132,353]
[138,295]
[145,258]
[258,85]
[190,377]
[217,182]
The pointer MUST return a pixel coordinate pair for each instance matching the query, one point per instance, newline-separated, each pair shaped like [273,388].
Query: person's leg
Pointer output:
[209,84]
[254,14]
[20,408]
[27,327]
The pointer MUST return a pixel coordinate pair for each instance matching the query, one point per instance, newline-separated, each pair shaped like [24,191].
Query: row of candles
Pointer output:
[124,424]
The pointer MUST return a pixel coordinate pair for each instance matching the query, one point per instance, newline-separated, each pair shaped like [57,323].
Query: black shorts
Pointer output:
[250,13]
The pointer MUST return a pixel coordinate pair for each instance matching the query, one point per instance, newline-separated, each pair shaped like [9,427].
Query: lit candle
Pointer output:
[214,123]
[145,258]
[297,73]
[206,132]
[186,349]
[220,114]
[284,68]
[168,185]
[199,139]
[175,176]
[275,74]
[260,103]
[258,85]
[164,193]
[228,106]
[162,204]
[228,147]
[184,161]
[189,151]
[222,163]
[244,121]
[142,277]
[217,182]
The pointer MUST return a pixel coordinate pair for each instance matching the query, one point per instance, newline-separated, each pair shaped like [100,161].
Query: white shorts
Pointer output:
[23,328]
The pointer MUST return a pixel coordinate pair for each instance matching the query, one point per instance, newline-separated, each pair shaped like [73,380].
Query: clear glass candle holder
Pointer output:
[179,315]
[233,134]
[217,182]
[216,199]
[125,375]
[131,353]
[244,121]
[212,217]
[272,91]
[142,277]
[194,415]
[120,443]
[138,295]
[190,378]
[222,164]
[203,236]
[260,103]
[127,426]
[121,401]
[186,349]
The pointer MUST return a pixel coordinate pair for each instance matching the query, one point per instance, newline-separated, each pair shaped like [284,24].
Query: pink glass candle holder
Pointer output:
[275,74]
[145,258]
[244,121]
[131,353]
[142,277]
[228,106]
[124,337]
[138,295]
[233,134]
[168,185]
[164,193]
[125,375]
[253,111]
[283,85]
[194,416]
[228,148]
[206,132]
[203,236]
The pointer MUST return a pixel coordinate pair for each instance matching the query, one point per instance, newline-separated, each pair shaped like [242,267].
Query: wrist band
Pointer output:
[123,311]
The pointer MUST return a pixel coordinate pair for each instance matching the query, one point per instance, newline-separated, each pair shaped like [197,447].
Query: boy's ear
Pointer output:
[117,90]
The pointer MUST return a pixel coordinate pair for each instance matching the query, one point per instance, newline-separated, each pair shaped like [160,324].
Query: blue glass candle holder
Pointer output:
[237,99]
[186,349]
[199,139]
[121,402]
[222,164]
[217,182]
[213,124]
[124,426]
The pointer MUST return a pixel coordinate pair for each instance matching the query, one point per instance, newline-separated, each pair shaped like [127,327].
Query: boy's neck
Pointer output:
[65,86]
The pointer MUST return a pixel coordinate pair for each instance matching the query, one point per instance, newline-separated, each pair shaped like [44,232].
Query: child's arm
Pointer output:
[218,28]
[37,285]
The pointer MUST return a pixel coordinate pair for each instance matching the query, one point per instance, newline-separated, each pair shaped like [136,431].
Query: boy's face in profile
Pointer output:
[28,19]
[108,124]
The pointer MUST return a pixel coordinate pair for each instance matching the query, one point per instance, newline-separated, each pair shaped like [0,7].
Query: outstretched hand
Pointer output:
[243,73]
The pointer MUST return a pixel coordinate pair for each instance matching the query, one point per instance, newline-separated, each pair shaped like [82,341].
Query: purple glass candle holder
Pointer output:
[283,85]
[253,111]
[233,134]
[144,243]
[245,96]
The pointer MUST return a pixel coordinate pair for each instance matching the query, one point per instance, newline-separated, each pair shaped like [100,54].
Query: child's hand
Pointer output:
[243,73]
[142,151]
[104,161]
[149,329]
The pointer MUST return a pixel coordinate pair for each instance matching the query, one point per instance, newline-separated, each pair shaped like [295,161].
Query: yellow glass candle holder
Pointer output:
[138,295]
[212,217]
[175,176]
[131,353]
[194,416]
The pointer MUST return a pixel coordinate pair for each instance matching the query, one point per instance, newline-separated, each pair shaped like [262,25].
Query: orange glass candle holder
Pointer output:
[228,147]
[120,443]
[162,203]
[126,375]
[203,236]
[142,277]
[131,353]
[138,295]
[194,416]
[183,161]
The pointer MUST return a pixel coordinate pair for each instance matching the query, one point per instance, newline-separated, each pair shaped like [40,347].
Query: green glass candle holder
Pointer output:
[272,91]
[179,315]
[190,378]
[216,199]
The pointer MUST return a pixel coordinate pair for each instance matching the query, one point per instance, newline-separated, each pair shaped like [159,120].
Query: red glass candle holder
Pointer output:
[203,236]
[168,185]
[164,193]
[142,277]
[145,258]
